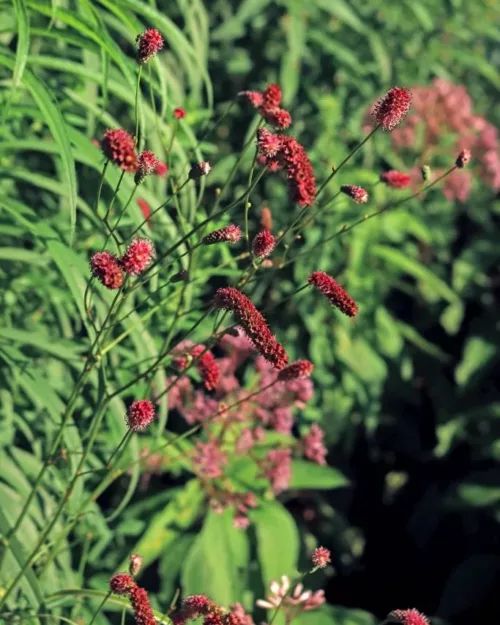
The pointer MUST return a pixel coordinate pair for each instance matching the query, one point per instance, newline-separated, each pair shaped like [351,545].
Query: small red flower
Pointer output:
[297,370]
[119,147]
[320,557]
[253,325]
[299,171]
[266,218]
[278,117]
[141,606]
[149,44]
[254,97]
[328,287]
[463,158]
[105,267]
[138,256]
[229,234]
[179,113]
[269,144]
[358,194]
[199,169]
[263,244]
[145,208]
[408,617]
[196,605]
[390,110]
[271,98]
[140,413]
[121,584]
[147,164]
[395,179]
[161,169]
[135,563]
[207,367]
[214,618]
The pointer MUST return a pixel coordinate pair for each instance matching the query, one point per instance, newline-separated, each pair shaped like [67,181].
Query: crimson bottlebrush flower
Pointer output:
[328,287]
[320,557]
[395,179]
[254,97]
[138,256]
[196,605]
[358,194]
[229,234]
[408,617]
[161,169]
[140,413]
[207,367]
[149,44]
[296,371]
[139,600]
[147,164]
[269,144]
[263,244]
[299,171]
[119,147]
[106,268]
[121,584]
[253,324]
[266,218]
[135,563]
[390,110]
[179,113]
[271,98]
[199,169]
[213,618]
[278,117]
[463,158]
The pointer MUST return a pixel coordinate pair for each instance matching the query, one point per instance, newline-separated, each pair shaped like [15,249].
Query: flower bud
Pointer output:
[135,563]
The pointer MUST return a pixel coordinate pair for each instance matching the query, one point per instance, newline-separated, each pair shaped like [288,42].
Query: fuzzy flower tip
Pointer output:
[390,110]
[105,267]
[135,563]
[328,287]
[141,607]
[269,144]
[271,98]
[229,234]
[254,97]
[179,113]
[138,256]
[278,117]
[149,44]
[147,165]
[253,324]
[199,169]
[408,617]
[121,584]
[207,367]
[463,158]
[161,169]
[140,413]
[395,179]
[263,244]
[119,147]
[358,194]
[296,371]
[320,557]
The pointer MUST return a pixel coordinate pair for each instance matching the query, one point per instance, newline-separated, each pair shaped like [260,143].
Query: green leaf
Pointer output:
[23,42]
[343,12]
[478,353]
[336,615]
[314,476]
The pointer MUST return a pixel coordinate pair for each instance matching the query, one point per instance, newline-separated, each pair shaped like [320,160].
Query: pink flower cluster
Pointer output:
[298,600]
[268,103]
[108,269]
[196,606]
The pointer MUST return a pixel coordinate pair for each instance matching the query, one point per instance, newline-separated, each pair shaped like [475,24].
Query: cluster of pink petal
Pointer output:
[298,600]
[209,459]
[314,448]
[268,103]
[241,502]
[277,468]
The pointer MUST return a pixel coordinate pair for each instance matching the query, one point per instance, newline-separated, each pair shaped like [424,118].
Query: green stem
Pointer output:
[153,213]
[137,90]
[247,200]
[101,605]
[115,193]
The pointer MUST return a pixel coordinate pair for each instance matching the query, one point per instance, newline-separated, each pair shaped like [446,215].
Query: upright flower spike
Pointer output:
[296,371]
[263,244]
[321,557]
[229,234]
[138,256]
[328,287]
[408,617]
[105,267]
[199,169]
[149,44]
[119,147]
[395,179]
[253,324]
[121,584]
[140,414]
[179,113]
[390,110]
[147,165]
[358,194]
[463,158]
[143,613]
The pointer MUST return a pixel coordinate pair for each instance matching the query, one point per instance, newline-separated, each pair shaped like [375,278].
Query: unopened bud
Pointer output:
[135,563]
[426,173]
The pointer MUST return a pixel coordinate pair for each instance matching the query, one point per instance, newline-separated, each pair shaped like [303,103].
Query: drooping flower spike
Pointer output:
[296,371]
[328,287]
[119,147]
[390,110]
[229,234]
[395,179]
[358,194]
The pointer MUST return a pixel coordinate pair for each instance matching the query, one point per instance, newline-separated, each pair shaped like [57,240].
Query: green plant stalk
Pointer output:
[99,608]
[137,90]
[127,204]
[113,198]
[247,200]
[153,213]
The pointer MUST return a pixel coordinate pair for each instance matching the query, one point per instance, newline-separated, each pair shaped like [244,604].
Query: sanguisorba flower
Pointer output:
[207,367]
[149,44]
[320,557]
[119,147]
[328,287]
[147,165]
[263,244]
[297,370]
[138,256]
[143,613]
[121,584]
[179,113]
[140,414]
[253,324]
[268,142]
[299,171]
[408,617]
[199,169]
[271,98]
[106,268]
[278,117]
[463,158]
[395,179]
[254,97]
[358,194]
[229,234]
[390,110]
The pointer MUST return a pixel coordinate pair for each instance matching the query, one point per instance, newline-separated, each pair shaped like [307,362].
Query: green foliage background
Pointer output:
[406,394]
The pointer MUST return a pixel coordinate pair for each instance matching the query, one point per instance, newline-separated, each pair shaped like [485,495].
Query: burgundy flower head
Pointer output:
[254,97]
[253,324]
[408,617]
[207,367]
[138,256]
[277,117]
[263,244]
[271,98]
[141,606]
[395,179]
[199,169]
[161,169]
[296,371]
[390,110]
[149,44]
[140,413]
[358,194]
[230,234]
[320,557]
[196,605]
[147,165]
[119,147]
[269,144]
[121,584]
[299,171]
[105,267]
[328,287]
[179,113]
[463,158]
